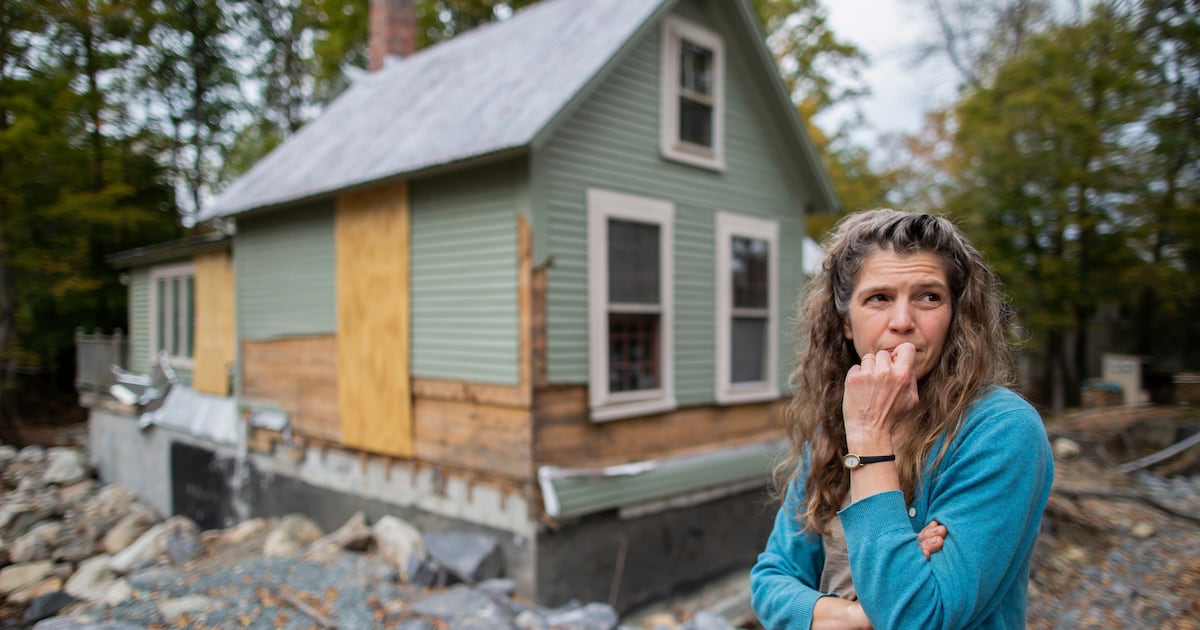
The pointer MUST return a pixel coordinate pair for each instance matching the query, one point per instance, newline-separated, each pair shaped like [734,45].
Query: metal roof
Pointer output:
[489,90]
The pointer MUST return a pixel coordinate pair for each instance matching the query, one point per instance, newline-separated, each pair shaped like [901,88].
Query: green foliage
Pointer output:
[74,186]
[1075,168]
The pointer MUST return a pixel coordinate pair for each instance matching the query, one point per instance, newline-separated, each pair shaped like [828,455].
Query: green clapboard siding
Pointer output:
[285,274]
[464,274]
[584,492]
[139,321]
[611,142]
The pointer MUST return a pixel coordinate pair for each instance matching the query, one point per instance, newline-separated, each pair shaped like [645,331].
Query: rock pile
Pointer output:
[79,554]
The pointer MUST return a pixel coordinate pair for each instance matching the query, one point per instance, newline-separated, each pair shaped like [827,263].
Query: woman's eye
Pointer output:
[931,297]
[878,297]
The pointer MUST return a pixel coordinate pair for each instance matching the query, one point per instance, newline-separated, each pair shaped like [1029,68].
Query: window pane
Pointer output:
[175,312]
[632,352]
[749,267]
[749,351]
[695,67]
[189,321]
[695,122]
[161,316]
[633,273]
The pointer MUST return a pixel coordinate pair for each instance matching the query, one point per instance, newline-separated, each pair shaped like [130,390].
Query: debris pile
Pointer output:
[76,554]
[1121,534]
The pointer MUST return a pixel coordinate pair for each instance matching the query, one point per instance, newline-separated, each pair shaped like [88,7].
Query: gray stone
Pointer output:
[290,536]
[531,620]
[129,529]
[469,557]
[92,579]
[173,610]
[354,535]
[32,454]
[464,609]
[176,539]
[501,587]
[36,544]
[398,543]
[47,605]
[705,620]
[65,466]
[8,453]
[594,616]
[83,623]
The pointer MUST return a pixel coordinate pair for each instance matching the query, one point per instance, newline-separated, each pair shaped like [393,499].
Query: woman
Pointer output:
[900,419]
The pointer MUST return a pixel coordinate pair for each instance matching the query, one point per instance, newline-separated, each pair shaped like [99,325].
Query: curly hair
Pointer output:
[976,354]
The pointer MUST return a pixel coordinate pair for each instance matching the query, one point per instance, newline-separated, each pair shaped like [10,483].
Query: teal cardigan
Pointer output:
[989,491]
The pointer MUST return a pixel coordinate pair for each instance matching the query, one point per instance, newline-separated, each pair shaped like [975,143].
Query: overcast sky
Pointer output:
[902,91]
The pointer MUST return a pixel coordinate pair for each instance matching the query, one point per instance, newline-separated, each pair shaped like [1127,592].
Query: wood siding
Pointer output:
[300,376]
[140,321]
[564,434]
[374,399]
[611,142]
[285,274]
[215,323]
[464,274]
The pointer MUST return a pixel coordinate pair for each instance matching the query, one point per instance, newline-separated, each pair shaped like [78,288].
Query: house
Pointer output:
[535,281]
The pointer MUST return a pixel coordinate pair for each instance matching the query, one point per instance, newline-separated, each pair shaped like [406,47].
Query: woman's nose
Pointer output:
[901,320]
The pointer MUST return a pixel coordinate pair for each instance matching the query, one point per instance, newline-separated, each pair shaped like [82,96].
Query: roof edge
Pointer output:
[167,250]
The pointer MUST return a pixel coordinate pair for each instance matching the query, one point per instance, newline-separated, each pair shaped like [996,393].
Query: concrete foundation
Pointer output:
[607,557]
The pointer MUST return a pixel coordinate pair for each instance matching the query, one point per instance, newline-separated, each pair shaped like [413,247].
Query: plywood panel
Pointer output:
[301,376]
[564,435]
[215,321]
[373,293]
[472,436]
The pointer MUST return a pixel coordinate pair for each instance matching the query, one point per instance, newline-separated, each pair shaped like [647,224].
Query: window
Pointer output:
[747,276]
[692,94]
[630,338]
[173,313]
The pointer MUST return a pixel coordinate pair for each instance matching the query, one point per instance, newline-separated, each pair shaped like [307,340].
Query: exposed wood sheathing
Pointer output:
[565,436]
[485,428]
[215,321]
[300,375]
[374,395]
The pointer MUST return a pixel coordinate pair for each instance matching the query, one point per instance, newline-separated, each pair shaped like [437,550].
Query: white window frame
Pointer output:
[183,270]
[730,225]
[674,30]
[602,206]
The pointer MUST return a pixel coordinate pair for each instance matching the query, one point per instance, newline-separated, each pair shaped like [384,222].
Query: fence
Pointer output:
[95,354]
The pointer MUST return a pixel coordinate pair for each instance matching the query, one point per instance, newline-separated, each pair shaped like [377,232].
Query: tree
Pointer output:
[72,187]
[1051,164]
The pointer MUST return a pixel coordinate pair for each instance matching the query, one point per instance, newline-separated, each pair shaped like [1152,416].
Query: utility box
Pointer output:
[1124,370]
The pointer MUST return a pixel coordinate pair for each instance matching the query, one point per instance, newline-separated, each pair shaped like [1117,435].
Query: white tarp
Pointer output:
[195,413]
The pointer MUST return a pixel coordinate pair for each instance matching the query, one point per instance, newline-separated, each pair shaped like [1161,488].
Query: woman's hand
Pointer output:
[834,613]
[878,390]
[931,538]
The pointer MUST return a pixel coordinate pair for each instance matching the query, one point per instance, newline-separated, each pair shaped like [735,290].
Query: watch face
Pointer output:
[851,461]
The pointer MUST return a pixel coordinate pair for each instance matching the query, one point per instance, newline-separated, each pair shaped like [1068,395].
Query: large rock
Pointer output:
[469,557]
[175,610]
[15,577]
[594,616]
[464,609]
[399,543]
[92,580]
[65,466]
[34,591]
[354,535]
[36,544]
[127,530]
[47,605]
[290,536]
[176,539]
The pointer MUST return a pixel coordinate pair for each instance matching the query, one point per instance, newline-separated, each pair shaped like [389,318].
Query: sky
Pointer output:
[888,31]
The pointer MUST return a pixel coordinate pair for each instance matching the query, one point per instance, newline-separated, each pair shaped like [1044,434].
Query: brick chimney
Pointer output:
[392,30]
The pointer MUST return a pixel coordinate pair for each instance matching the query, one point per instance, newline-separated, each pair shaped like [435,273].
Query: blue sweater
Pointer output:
[989,491]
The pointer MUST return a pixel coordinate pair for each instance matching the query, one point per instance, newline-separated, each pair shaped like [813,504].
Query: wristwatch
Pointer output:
[852,461]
